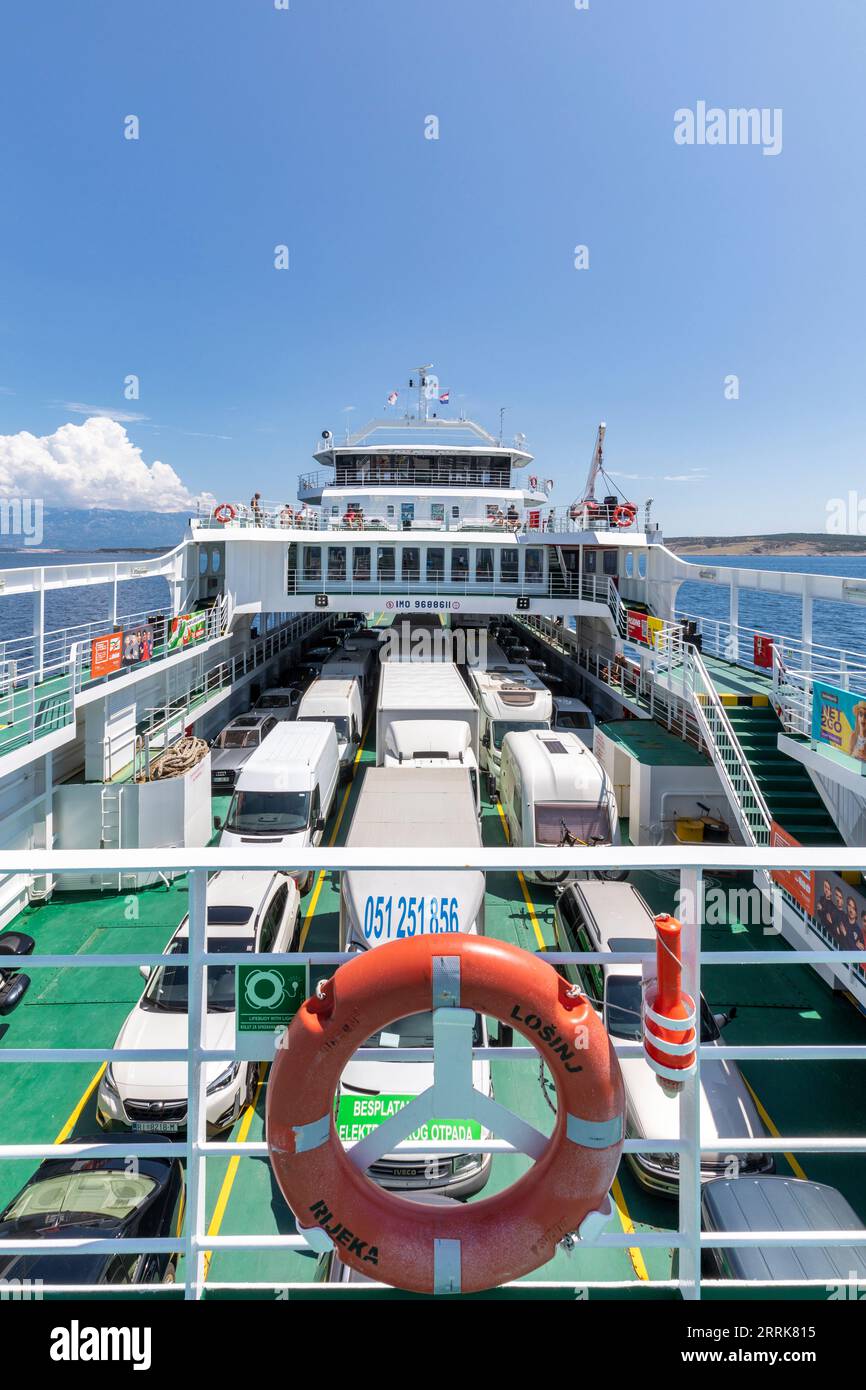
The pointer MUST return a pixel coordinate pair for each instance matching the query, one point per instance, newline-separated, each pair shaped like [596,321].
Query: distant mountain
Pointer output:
[782,543]
[95,529]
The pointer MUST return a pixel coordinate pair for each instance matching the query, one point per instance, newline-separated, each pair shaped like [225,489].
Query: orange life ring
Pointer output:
[624,514]
[226,511]
[507,1235]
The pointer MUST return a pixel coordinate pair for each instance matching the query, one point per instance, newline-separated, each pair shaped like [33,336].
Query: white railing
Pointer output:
[196,1242]
[284,516]
[841,665]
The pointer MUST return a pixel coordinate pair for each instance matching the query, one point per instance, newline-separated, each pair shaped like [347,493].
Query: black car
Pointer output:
[118,1197]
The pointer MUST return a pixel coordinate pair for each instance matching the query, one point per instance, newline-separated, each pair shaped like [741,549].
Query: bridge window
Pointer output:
[460,562]
[609,559]
[336,562]
[484,563]
[435,562]
[361,562]
[533,564]
[411,562]
[508,564]
[385,564]
[590,561]
[312,562]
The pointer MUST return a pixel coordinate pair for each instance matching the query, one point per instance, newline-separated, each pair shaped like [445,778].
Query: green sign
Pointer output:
[268,996]
[358,1116]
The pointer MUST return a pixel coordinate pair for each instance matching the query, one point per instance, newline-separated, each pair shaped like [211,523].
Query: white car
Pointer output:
[246,911]
[279,701]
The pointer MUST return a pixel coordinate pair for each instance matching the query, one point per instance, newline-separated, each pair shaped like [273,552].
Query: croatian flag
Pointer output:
[392,399]
[445,398]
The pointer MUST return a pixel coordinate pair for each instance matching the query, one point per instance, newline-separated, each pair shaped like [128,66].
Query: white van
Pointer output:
[285,791]
[571,715]
[341,704]
[508,697]
[555,794]
[404,810]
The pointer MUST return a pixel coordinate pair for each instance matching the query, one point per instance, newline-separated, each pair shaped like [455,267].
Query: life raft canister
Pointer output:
[465,1248]
[624,514]
[226,511]
[669,1014]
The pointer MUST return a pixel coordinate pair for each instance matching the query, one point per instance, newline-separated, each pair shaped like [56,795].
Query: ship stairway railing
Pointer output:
[199,1246]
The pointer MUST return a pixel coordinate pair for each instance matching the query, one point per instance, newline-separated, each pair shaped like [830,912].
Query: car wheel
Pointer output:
[252,1085]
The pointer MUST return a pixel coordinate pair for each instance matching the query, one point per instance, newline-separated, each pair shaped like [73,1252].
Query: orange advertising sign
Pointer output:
[800,883]
[106,654]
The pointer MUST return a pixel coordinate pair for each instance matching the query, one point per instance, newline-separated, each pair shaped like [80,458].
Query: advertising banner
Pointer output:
[654,627]
[137,644]
[839,722]
[187,628]
[106,654]
[636,626]
[838,907]
[800,883]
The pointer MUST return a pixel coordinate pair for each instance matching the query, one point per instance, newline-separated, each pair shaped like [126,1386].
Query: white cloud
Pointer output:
[106,412]
[94,464]
[697,475]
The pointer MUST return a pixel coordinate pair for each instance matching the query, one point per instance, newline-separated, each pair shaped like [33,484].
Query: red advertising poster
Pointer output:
[636,626]
[763,650]
[106,654]
[800,883]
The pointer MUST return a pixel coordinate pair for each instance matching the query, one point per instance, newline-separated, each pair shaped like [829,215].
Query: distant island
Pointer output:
[780,543]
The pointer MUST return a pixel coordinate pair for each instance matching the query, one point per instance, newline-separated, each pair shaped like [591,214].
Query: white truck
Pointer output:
[426,717]
[402,811]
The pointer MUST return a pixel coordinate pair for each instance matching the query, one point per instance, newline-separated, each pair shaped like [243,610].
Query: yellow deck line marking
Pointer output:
[533,917]
[311,909]
[228,1181]
[627,1224]
[797,1169]
[76,1113]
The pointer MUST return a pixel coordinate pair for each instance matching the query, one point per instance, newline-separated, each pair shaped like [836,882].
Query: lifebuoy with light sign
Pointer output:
[460,1248]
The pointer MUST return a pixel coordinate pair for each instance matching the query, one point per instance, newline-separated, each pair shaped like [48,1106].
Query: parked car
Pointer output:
[101,1198]
[607,916]
[280,701]
[246,911]
[571,713]
[779,1204]
[237,742]
[13,984]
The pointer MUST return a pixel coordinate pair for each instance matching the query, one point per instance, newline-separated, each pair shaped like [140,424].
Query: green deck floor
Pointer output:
[41,1102]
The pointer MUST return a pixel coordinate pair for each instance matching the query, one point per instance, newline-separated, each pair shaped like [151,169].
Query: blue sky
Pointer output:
[261,126]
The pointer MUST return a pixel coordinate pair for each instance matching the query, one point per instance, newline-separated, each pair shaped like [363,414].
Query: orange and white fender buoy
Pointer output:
[437,1249]
[669,1014]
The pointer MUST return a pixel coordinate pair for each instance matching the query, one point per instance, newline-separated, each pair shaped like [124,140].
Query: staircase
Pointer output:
[785,784]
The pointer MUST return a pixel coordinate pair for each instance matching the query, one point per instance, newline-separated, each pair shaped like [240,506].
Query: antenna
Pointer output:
[423,403]
[502,410]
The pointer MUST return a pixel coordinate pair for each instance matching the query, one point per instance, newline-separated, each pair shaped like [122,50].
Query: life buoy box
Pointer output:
[624,514]
[464,1248]
[226,511]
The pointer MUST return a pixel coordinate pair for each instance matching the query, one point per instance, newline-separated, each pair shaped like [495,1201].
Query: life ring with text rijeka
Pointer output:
[225,512]
[488,1242]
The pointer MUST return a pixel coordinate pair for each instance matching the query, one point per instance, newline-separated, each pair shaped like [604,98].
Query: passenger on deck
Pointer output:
[287,516]
[512,516]
[256,508]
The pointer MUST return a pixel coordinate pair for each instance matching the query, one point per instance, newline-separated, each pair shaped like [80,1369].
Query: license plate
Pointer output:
[157,1126]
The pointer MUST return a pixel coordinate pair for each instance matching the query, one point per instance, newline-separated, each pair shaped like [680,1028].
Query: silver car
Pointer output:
[237,742]
[593,916]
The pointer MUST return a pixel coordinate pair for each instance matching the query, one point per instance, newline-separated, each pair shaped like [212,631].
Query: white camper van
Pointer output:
[508,698]
[354,662]
[341,704]
[404,810]
[555,793]
[285,791]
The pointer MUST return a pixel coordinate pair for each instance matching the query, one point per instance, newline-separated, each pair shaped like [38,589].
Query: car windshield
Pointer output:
[277,701]
[501,727]
[166,990]
[238,738]
[560,823]
[268,813]
[623,1010]
[339,721]
[415,1031]
[573,719]
[96,1192]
